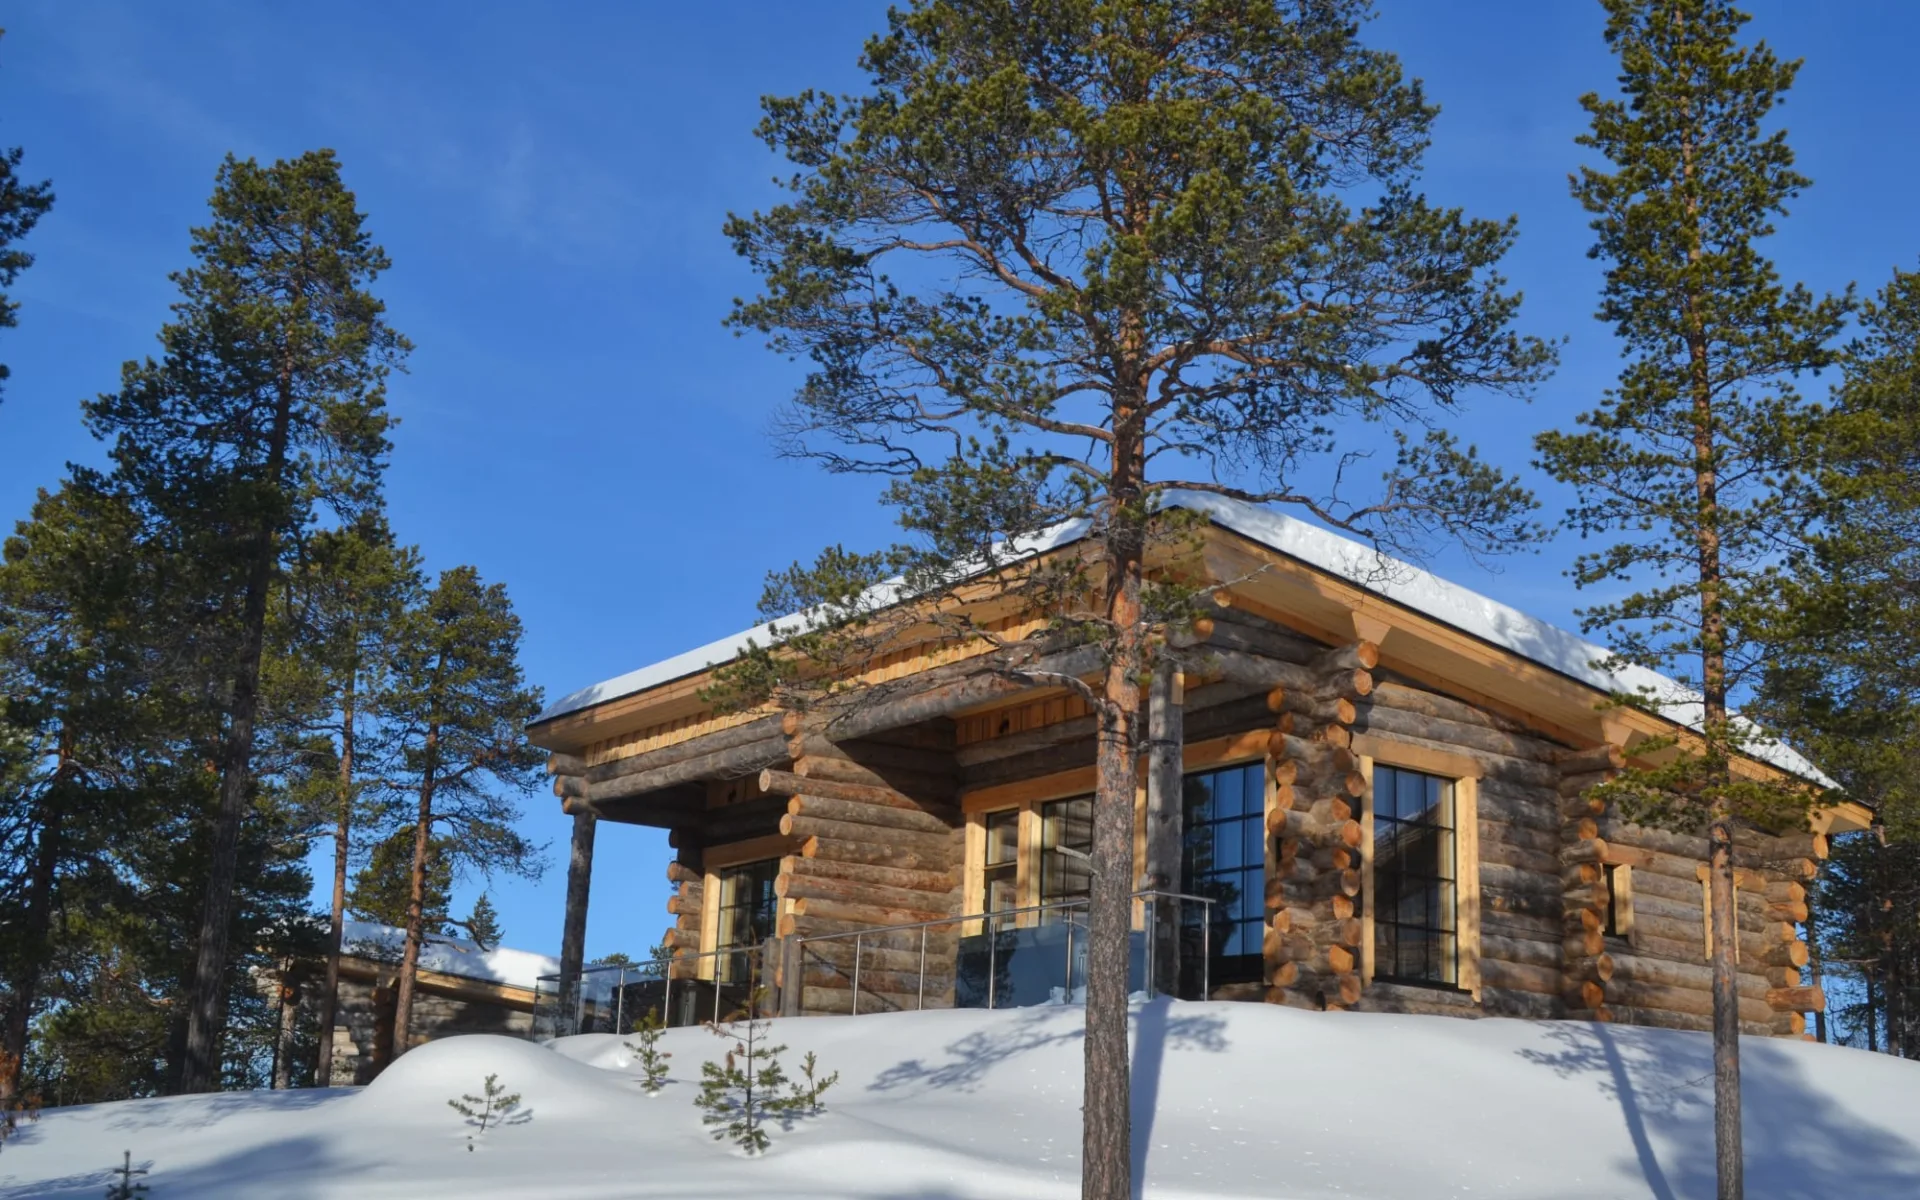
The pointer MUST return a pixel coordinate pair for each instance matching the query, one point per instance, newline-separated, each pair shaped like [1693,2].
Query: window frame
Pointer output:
[1259,812]
[1028,795]
[1464,774]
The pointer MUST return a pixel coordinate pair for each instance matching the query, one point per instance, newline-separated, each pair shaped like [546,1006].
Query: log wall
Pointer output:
[879,840]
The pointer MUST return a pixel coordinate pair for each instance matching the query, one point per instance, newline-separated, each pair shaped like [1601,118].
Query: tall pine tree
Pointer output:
[1060,258]
[458,706]
[1846,680]
[265,412]
[1695,462]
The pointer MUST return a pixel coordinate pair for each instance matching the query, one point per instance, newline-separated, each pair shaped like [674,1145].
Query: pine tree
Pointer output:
[456,707]
[22,205]
[646,1051]
[1845,681]
[351,586]
[482,925]
[748,1087]
[493,1107]
[265,411]
[1696,460]
[73,722]
[383,888]
[1059,259]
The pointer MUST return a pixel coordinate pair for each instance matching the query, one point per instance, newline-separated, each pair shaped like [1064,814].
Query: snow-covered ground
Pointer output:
[1229,1100]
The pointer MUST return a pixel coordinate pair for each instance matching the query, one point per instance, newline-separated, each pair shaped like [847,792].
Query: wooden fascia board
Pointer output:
[571,732]
[456,987]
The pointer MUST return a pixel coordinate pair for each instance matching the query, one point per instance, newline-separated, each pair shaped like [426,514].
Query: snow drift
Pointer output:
[1229,1100]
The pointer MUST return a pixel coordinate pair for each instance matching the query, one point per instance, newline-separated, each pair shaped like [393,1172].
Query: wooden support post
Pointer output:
[573,934]
[1165,820]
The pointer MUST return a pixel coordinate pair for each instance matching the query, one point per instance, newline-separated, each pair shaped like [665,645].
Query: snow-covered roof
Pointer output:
[451,956]
[1391,579]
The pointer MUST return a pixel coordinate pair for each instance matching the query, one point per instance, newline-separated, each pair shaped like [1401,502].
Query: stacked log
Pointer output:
[880,843]
[1586,970]
[1312,945]
[685,906]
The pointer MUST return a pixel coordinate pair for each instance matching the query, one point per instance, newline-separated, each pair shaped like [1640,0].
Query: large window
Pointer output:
[747,904]
[1066,839]
[1224,859]
[1415,869]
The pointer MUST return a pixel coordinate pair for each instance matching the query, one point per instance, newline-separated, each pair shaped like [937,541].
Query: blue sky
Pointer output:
[550,182]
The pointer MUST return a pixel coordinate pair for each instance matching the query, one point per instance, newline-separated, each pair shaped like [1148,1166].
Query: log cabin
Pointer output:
[1368,789]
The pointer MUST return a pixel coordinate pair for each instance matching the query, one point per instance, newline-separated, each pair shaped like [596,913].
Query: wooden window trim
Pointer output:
[1619,876]
[1466,850]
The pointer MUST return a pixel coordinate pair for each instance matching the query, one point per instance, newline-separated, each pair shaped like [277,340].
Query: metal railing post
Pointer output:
[921,1001]
[1151,914]
[1069,996]
[666,994]
[1206,953]
[993,971]
[856,975]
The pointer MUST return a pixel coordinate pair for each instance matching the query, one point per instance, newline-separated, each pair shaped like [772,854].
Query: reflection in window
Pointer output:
[1065,825]
[1000,865]
[747,910]
[1413,877]
[1224,859]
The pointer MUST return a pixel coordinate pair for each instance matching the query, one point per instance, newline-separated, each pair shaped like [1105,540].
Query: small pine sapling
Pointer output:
[807,1090]
[128,1186]
[495,1106]
[743,1091]
[647,1054]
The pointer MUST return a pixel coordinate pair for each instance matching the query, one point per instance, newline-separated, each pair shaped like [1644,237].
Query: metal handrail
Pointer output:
[654,970]
[1077,904]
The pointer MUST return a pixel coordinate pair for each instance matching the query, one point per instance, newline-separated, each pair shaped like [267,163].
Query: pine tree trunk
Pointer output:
[416,904]
[36,925]
[1728,1157]
[336,927]
[1106,1163]
[207,988]
[289,993]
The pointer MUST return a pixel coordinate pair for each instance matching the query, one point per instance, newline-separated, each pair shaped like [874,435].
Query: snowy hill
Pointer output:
[1231,1100]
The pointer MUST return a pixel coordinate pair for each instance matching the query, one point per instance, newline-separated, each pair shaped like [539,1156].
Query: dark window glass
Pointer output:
[1224,859]
[1615,925]
[1065,825]
[1000,868]
[747,904]
[1413,877]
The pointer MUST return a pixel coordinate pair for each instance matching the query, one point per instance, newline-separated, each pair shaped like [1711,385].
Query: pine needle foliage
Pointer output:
[646,1051]
[807,1090]
[493,1107]
[749,1087]
[264,416]
[1057,260]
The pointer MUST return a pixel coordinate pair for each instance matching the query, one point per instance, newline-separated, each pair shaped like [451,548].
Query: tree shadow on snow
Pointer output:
[1796,1146]
[200,1112]
[972,1057]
